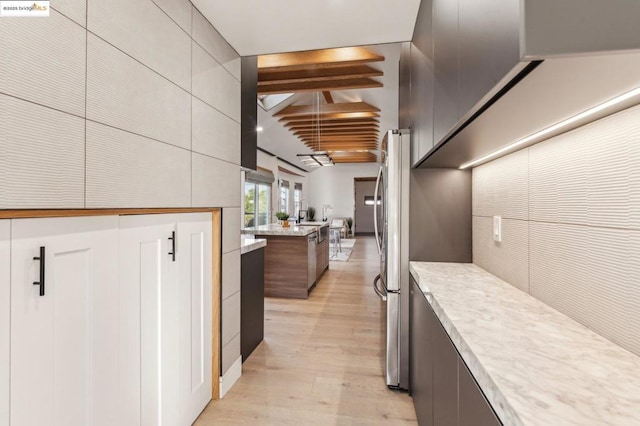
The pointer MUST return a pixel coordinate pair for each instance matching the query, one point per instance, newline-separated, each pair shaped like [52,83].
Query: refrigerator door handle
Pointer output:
[377,289]
[375,212]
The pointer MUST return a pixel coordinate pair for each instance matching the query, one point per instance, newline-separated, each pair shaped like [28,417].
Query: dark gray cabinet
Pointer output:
[249,112]
[444,391]
[421,355]
[446,67]
[251,301]
[488,45]
[474,409]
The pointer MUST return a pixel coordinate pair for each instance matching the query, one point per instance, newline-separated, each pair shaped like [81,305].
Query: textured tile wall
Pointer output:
[127,103]
[577,243]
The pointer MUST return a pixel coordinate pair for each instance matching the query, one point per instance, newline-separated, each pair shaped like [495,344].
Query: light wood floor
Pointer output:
[321,360]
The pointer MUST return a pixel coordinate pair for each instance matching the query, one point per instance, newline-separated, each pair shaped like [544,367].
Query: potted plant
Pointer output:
[311,214]
[283,217]
[349,225]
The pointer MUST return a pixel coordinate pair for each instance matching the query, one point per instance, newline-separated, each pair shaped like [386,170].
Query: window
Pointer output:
[368,200]
[257,198]
[284,196]
[297,198]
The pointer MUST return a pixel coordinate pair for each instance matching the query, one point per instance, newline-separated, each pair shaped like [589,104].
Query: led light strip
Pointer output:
[555,127]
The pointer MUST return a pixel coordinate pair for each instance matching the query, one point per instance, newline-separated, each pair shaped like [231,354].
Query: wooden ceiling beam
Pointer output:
[372,133]
[310,75]
[317,86]
[313,110]
[360,138]
[323,128]
[347,122]
[327,96]
[318,58]
[335,116]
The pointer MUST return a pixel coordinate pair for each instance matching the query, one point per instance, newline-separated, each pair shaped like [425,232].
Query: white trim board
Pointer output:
[230,378]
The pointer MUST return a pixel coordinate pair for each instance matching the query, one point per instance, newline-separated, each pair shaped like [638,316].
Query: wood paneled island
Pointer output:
[292,264]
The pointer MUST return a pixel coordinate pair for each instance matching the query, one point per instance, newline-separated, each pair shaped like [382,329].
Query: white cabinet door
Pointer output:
[5,319]
[195,263]
[64,361]
[148,321]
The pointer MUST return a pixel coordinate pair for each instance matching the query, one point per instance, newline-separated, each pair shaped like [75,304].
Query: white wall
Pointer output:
[334,186]
[125,103]
[570,209]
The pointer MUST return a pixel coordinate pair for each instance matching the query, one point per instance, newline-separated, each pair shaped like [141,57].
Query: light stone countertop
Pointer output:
[319,224]
[535,365]
[248,243]
[276,229]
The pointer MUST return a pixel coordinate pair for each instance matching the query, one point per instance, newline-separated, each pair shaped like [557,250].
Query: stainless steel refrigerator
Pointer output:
[391,223]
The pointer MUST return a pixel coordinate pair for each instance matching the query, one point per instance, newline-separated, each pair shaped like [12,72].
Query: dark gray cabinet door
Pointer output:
[249,112]
[251,301]
[445,379]
[421,358]
[404,92]
[489,46]
[446,67]
[474,408]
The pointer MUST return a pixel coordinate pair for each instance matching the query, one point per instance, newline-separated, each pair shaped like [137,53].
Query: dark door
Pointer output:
[364,205]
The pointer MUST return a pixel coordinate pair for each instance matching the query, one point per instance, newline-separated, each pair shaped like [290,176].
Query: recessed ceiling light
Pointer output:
[558,126]
[259,129]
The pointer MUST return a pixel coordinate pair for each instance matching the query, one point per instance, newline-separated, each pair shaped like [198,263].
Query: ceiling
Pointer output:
[279,139]
[258,27]
[261,27]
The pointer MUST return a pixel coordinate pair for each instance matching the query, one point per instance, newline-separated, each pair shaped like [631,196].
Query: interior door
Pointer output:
[5,319]
[64,335]
[364,205]
[194,334]
[148,323]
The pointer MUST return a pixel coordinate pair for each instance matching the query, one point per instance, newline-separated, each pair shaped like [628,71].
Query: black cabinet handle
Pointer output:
[41,282]
[172,253]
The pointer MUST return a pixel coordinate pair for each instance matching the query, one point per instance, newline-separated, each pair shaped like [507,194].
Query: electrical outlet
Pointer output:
[497,229]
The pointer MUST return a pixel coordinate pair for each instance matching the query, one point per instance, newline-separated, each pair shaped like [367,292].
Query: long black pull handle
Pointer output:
[42,262]
[172,253]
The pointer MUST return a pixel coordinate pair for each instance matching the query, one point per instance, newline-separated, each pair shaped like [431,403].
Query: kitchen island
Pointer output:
[294,258]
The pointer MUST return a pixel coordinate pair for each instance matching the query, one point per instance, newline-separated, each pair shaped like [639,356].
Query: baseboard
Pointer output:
[230,378]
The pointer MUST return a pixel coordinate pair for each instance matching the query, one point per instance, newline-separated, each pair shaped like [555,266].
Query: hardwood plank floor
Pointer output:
[322,358]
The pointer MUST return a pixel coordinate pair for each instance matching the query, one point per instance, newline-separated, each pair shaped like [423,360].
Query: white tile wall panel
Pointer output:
[5,320]
[230,273]
[178,10]
[41,156]
[230,353]
[144,31]
[125,94]
[509,259]
[126,170]
[231,224]
[73,9]
[214,84]
[590,274]
[210,39]
[43,61]
[230,317]
[215,183]
[235,68]
[214,134]
[500,187]
[590,176]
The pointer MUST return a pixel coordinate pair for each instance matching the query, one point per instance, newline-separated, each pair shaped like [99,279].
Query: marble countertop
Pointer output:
[248,243]
[535,365]
[276,229]
[320,224]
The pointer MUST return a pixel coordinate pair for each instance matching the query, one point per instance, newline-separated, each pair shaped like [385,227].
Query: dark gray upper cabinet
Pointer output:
[446,67]
[404,92]
[249,112]
[489,47]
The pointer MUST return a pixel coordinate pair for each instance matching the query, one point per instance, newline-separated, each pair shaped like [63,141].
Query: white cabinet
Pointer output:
[194,239]
[165,312]
[64,361]
[5,319]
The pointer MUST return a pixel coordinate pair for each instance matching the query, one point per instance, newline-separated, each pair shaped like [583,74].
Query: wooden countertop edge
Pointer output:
[27,214]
